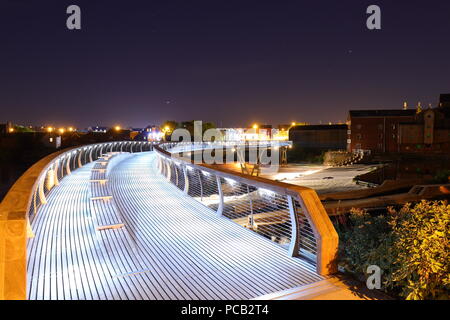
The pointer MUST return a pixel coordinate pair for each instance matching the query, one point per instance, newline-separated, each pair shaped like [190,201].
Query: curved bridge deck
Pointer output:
[164,244]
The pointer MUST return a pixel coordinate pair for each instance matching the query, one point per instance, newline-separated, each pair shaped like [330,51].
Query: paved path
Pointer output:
[170,246]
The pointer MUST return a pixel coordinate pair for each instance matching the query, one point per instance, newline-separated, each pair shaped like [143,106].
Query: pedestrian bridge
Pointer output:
[129,220]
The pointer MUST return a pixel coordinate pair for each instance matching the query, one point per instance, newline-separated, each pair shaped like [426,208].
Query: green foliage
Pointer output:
[367,242]
[442,176]
[411,246]
[422,250]
[22,129]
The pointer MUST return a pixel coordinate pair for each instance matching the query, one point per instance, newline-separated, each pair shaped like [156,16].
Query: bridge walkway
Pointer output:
[162,244]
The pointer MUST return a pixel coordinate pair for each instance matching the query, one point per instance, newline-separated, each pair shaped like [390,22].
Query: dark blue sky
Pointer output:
[231,62]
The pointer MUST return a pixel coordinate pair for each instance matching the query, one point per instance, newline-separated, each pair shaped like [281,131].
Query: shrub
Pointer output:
[411,246]
[422,250]
[442,176]
[367,241]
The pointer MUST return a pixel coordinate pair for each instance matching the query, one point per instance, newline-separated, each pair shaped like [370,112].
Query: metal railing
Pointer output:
[72,159]
[289,215]
[28,194]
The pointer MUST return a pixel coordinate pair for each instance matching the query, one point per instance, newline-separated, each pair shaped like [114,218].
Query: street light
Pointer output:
[61,130]
[117,128]
[70,129]
[11,130]
[49,129]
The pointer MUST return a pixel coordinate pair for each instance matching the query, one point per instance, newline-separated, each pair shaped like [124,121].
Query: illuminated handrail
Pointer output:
[29,192]
[290,215]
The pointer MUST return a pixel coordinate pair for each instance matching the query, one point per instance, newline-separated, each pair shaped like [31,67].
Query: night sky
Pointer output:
[136,63]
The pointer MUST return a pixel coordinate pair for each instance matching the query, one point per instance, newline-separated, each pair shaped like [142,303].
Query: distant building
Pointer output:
[51,140]
[98,129]
[153,133]
[6,128]
[3,129]
[323,137]
[247,134]
[401,131]
[376,130]
[444,100]
[136,134]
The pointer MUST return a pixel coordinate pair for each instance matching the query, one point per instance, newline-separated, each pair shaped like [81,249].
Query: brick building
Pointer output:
[401,131]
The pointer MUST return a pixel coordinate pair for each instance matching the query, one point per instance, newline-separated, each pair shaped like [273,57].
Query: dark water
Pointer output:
[9,173]
[407,169]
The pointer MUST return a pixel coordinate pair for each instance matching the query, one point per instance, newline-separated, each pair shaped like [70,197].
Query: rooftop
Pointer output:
[383,113]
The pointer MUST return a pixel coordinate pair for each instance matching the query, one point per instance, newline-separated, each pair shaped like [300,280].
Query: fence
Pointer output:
[288,215]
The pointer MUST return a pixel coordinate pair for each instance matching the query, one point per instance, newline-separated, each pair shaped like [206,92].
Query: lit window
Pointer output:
[51,139]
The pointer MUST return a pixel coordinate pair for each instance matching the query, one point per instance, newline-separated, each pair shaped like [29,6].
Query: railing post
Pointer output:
[201,184]
[159,166]
[68,163]
[41,190]
[55,176]
[80,153]
[219,188]
[327,239]
[169,172]
[186,179]
[90,154]
[295,235]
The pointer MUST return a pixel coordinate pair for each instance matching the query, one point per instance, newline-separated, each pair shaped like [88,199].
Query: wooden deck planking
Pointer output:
[171,247]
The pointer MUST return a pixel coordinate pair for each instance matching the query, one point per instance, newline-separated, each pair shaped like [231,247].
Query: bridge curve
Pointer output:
[112,226]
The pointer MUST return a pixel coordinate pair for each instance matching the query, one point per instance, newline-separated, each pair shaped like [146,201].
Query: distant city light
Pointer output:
[61,130]
[49,129]
[11,130]
[117,128]
[255,126]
